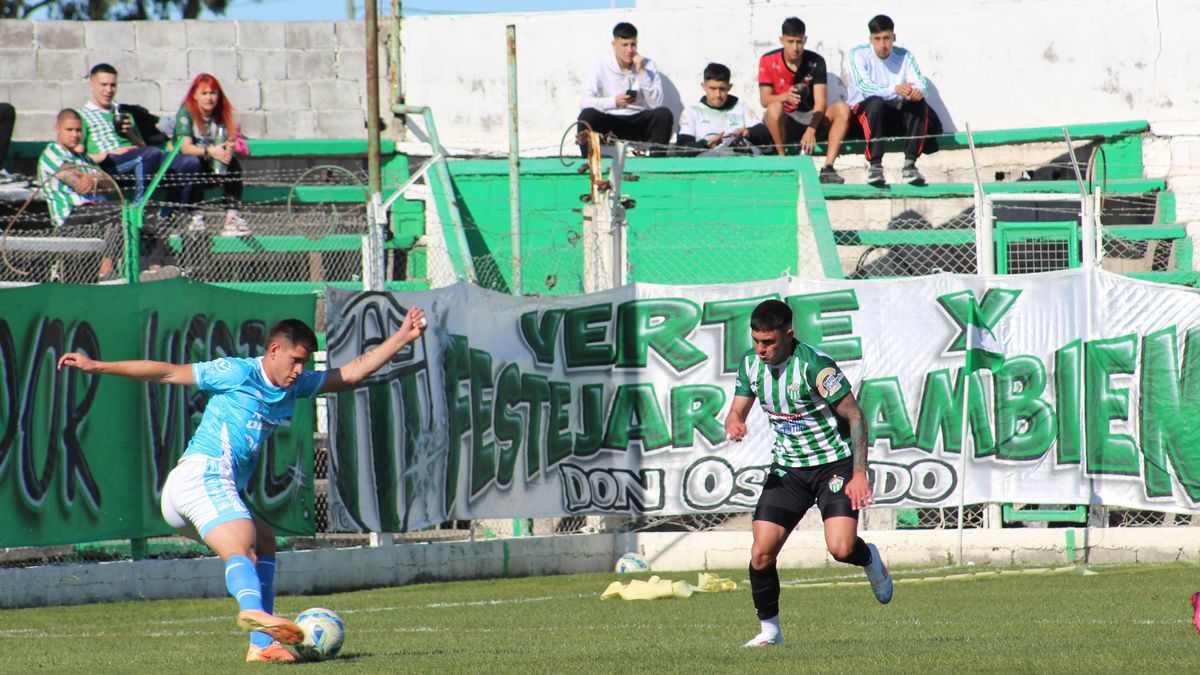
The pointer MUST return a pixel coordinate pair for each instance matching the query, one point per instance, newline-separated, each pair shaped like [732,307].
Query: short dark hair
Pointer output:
[881,23]
[102,68]
[294,331]
[624,31]
[717,71]
[771,315]
[67,114]
[793,27]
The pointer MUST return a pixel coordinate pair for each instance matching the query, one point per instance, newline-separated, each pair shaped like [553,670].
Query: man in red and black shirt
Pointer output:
[793,87]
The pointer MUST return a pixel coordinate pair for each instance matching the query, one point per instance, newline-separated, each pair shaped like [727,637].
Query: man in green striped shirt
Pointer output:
[75,188]
[820,457]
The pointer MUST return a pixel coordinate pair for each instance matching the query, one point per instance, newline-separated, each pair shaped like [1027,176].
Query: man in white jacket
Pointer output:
[887,98]
[623,95]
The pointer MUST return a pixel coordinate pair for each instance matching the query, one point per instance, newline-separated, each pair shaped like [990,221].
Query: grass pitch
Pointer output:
[1119,620]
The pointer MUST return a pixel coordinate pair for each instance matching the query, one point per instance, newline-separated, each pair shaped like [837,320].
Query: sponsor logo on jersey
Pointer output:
[793,391]
[219,366]
[829,382]
[836,483]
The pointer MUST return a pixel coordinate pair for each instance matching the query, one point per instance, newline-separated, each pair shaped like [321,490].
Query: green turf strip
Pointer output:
[1123,619]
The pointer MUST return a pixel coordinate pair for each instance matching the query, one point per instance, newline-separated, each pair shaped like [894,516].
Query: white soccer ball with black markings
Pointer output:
[324,634]
[632,562]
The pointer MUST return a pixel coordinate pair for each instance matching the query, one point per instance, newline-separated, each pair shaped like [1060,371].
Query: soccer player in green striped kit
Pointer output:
[820,456]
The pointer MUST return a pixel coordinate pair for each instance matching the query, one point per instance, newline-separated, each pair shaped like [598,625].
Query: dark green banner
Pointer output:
[83,457]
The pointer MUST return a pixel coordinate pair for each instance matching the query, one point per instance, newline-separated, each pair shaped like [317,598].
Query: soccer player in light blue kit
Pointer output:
[250,398]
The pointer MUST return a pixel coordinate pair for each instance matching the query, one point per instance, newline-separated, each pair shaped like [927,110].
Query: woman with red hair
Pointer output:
[205,128]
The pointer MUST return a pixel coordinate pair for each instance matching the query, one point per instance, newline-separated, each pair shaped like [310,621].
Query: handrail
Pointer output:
[465,265]
[133,217]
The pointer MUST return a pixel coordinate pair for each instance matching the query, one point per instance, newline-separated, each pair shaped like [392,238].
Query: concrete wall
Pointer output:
[337,570]
[995,64]
[286,80]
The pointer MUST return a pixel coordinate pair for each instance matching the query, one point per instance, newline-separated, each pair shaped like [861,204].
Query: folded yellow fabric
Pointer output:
[656,588]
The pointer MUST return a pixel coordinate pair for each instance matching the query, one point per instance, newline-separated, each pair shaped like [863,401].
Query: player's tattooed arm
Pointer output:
[849,410]
[351,374]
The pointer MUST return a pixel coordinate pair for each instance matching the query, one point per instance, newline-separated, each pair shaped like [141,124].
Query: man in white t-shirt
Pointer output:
[720,123]
[623,95]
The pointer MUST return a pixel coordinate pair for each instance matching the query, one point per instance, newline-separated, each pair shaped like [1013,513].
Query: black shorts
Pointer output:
[789,492]
[793,129]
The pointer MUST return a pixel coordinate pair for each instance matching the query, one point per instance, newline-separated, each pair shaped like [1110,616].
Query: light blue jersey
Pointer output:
[244,410]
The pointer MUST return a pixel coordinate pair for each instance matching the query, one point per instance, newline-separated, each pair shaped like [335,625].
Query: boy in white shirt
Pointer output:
[720,122]
[623,95]
[887,98]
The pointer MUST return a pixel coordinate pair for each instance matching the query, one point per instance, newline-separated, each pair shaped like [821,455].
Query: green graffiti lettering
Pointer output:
[560,442]
[589,441]
[483,452]
[457,368]
[636,415]
[661,324]
[882,401]
[962,305]
[696,408]
[540,335]
[1109,452]
[734,316]
[1068,378]
[1170,410]
[586,341]
[1025,424]
[937,416]
[814,327]
[510,427]
[535,391]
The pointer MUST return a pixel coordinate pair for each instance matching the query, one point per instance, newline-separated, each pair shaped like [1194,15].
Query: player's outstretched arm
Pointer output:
[160,372]
[859,487]
[735,421]
[349,375]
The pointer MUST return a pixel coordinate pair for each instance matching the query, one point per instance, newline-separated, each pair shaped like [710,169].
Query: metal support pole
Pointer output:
[514,164]
[372,97]
[619,231]
[394,71]
[985,244]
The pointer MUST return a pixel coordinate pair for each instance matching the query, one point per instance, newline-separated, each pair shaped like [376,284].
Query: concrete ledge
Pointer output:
[337,570]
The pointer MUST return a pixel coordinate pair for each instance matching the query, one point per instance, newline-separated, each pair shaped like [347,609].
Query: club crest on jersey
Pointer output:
[829,382]
[793,391]
[836,483]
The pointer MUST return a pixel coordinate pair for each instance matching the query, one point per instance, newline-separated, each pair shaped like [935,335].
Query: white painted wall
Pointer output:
[994,63]
[674,554]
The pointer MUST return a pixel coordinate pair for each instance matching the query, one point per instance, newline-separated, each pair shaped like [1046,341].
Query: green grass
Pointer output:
[1123,619]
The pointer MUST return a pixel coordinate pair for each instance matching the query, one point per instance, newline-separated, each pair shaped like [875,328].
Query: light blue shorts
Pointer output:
[200,494]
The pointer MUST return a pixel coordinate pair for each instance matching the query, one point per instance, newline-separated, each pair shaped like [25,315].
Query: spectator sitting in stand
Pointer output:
[793,87]
[887,94]
[720,123]
[8,119]
[623,95]
[75,190]
[205,128]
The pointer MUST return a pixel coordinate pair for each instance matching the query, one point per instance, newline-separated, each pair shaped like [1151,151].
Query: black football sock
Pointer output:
[764,586]
[860,555]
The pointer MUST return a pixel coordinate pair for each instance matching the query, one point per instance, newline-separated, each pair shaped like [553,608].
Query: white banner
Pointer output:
[614,402]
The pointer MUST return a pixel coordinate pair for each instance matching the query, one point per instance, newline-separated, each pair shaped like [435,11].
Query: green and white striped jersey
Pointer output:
[798,396]
[61,198]
[98,133]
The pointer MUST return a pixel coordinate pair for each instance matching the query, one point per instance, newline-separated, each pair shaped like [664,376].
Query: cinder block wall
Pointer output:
[304,79]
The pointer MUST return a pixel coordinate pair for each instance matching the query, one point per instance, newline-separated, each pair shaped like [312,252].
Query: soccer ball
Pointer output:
[324,634]
[632,562]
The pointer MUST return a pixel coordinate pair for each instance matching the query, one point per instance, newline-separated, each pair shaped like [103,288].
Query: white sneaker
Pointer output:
[765,640]
[197,224]
[877,574]
[236,226]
